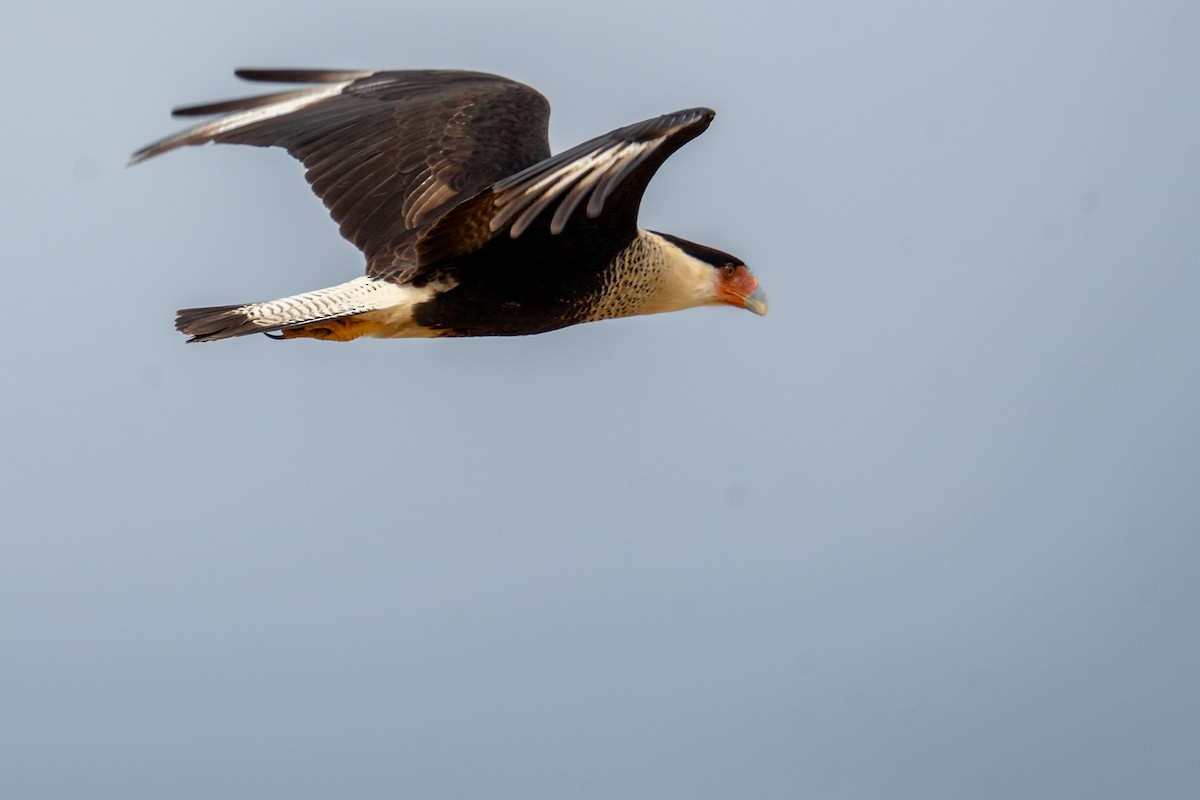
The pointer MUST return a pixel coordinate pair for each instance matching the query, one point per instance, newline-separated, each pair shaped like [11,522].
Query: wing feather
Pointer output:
[610,172]
[420,166]
[419,140]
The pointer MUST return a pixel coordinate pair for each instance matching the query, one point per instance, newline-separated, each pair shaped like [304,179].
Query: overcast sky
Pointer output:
[930,529]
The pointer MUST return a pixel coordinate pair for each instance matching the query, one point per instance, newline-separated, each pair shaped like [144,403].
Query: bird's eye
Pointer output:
[730,269]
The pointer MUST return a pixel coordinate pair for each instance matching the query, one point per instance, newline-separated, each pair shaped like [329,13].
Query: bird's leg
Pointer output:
[342,329]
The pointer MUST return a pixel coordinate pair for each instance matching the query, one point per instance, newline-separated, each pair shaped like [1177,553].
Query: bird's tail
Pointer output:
[295,316]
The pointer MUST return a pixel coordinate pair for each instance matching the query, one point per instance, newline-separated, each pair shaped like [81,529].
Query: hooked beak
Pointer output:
[742,290]
[757,302]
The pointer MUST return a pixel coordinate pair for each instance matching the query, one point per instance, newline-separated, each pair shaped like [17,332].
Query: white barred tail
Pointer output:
[353,297]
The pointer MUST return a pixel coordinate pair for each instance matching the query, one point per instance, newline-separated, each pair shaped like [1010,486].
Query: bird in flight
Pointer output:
[470,227]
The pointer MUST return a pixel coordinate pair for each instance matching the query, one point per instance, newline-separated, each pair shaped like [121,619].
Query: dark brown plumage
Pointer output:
[444,180]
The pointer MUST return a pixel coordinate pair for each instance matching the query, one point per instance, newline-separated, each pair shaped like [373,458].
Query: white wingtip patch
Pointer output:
[593,175]
[284,103]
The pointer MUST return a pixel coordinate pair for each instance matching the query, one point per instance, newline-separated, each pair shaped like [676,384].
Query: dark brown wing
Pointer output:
[387,152]
[592,190]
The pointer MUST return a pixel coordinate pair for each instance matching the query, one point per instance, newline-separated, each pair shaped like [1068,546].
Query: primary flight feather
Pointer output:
[445,181]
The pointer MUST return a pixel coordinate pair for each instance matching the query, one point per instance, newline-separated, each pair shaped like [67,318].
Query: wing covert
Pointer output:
[387,152]
[606,175]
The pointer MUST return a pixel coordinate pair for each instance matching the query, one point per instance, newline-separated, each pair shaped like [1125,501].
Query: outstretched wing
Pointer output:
[387,152]
[565,194]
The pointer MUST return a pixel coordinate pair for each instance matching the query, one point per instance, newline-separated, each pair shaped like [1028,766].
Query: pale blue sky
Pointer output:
[930,529]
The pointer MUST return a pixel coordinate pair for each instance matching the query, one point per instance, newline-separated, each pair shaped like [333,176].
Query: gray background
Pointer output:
[928,530]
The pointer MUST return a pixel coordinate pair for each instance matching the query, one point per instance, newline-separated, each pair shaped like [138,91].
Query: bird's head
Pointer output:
[724,279]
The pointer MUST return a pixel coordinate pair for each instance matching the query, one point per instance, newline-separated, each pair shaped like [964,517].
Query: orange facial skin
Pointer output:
[738,287]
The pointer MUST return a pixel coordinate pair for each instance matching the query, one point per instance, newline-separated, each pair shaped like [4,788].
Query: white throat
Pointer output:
[683,280]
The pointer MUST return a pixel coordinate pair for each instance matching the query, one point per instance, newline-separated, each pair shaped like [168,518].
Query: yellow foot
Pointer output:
[342,329]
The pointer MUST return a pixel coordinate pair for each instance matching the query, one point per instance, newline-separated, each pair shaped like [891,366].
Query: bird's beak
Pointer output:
[742,290]
[757,302]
